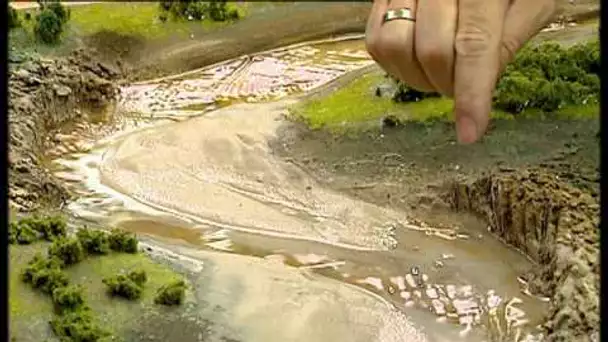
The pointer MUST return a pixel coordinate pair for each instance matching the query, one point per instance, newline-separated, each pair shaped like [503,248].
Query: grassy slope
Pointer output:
[138,19]
[30,310]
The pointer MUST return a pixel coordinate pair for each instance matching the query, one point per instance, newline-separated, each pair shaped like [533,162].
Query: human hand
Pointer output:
[455,47]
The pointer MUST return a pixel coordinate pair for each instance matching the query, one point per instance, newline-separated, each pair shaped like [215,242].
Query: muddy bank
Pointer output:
[45,95]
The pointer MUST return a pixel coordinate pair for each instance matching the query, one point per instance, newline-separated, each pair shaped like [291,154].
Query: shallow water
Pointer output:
[209,182]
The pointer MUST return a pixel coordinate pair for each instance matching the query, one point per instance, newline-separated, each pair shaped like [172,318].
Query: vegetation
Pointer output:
[68,250]
[129,286]
[172,293]
[77,325]
[546,77]
[95,242]
[65,258]
[13,18]
[44,274]
[216,10]
[121,241]
[48,27]
[68,298]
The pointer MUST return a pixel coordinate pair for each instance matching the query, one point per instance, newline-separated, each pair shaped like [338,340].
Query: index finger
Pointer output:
[477,44]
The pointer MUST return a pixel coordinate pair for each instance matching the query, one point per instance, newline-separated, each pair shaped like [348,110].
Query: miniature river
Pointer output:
[185,162]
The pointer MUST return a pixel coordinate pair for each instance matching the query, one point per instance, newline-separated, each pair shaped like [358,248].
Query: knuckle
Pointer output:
[473,40]
[430,53]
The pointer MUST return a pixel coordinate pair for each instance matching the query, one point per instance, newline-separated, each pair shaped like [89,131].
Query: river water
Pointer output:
[184,161]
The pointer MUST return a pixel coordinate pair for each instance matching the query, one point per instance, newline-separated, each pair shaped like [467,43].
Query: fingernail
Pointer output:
[466,129]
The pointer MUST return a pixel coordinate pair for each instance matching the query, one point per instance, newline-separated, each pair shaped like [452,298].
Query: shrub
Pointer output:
[546,76]
[13,18]
[138,276]
[121,241]
[48,27]
[95,242]
[68,298]
[44,274]
[77,325]
[407,94]
[50,227]
[216,10]
[68,250]
[27,16]
[62,12]
[171,294]
[123,286]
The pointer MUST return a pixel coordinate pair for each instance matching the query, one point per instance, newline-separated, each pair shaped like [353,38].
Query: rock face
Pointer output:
[45,94]
[557,226]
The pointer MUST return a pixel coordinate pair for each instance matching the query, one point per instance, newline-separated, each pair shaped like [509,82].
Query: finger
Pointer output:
[523,20]
[477,44]
[397,42]
[372,34]
[434,42]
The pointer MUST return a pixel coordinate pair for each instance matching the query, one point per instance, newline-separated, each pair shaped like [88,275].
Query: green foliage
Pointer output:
[68,298]
[13,18]
[27,16]
[547,76]
[171,294]
[44,274]
[216,10]
[62,12]
[138,276]
[122,241]
[77,325]
[48,27]
[123,286]
[21,233]
[68,250]
[29,229]
[50,227]
[95,242]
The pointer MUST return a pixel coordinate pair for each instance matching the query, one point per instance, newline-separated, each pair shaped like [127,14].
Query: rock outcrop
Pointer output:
[44,95]
[555,224]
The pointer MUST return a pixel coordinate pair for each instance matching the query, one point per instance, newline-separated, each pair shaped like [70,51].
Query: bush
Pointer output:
[48,27]
[44,274]
[13,18]
[62,12]
[27,16]
[50,227]
[138,276]
[77,325]
[171,294]
[121,241]
[68,250]
[21,233]
[546,76]
[123,286]
[68,298]
[216,10]
[94,242]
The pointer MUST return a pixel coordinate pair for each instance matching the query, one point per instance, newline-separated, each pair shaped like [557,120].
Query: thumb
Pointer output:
[477,44]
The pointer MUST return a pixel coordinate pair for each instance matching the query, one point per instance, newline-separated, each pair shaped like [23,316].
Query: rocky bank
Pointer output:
[44,95]
[555,224]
